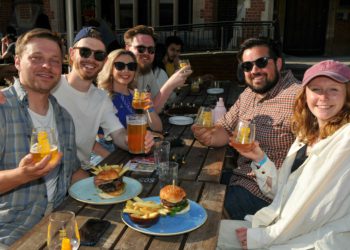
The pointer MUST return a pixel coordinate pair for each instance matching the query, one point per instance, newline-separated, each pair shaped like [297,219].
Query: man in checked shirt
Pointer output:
[268,102]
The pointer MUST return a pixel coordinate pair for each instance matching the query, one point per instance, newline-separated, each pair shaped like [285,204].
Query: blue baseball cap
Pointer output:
[88,32]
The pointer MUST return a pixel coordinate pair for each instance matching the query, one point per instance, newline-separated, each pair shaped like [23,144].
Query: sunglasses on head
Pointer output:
[260,63]
[132,66]
[84,52]
[142,49]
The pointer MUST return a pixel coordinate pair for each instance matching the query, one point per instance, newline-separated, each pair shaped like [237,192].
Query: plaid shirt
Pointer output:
[272,116]
[24,206]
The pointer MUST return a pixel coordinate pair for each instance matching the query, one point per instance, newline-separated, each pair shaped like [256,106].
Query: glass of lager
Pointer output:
[137,127]
[43,142]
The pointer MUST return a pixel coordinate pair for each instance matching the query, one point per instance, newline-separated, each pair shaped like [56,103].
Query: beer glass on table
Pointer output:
[136,127]
[43,142]
[243,135]
[63,231]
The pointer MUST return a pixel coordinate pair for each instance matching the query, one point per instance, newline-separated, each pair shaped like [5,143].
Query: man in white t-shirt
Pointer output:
[89,106]
[141,41]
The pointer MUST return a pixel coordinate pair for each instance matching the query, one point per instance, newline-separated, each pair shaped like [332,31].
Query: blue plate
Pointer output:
[172,225]
[85,191]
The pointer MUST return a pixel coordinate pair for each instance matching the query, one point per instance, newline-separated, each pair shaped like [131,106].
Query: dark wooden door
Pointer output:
[305,27]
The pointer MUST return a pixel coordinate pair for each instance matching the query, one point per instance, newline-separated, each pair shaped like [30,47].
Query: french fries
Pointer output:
[96,170]
[144,209]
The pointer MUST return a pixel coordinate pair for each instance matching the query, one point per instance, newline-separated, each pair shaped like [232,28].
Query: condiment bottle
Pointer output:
[219,110]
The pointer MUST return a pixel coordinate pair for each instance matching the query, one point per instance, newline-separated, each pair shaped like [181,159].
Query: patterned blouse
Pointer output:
[272,116]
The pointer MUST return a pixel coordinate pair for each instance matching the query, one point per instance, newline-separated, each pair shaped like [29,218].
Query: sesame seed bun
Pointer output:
[172,193]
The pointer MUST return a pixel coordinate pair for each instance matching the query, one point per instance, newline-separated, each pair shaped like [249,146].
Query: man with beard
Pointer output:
[89,106]
[29,188]
[173,46]
[268,102]
[141,41]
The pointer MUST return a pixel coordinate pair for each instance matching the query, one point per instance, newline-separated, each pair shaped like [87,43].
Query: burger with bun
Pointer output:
[174,199]
[109,183]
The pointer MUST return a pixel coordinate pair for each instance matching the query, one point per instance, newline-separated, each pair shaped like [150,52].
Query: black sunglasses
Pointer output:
[99,55]
[142,49]
[132,66]
[260,63]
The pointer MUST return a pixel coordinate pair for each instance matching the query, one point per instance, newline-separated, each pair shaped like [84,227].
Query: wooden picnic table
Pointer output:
[199,174]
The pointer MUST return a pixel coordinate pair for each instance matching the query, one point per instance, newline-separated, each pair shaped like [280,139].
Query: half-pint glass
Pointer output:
[137,125]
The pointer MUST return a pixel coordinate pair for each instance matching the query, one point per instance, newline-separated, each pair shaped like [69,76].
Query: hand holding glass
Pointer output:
[43,142]
[139,100]
[183,63]
[205,118]
[63,231]
[243,136]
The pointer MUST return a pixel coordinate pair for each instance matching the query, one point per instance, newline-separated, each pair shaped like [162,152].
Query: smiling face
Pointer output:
[144,60]
[39,65]
[261,80]
[87,68]
[122,78]
[325,98]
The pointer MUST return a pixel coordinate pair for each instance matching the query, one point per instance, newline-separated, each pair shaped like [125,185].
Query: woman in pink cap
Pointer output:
[311,191]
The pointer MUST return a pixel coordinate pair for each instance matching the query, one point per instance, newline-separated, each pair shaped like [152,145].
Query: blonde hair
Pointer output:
[105,77]
[305,125]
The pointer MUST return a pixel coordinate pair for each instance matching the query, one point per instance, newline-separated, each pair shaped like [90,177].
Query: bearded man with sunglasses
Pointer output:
[89,106]
[141,41]
[268,102]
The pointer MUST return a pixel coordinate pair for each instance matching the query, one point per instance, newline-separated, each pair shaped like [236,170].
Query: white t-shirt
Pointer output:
[89,110]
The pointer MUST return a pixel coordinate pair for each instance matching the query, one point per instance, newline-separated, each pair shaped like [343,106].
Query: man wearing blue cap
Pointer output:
[89,106]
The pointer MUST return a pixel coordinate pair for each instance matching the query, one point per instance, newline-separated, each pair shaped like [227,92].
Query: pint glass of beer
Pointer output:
[43,142]
[137,125]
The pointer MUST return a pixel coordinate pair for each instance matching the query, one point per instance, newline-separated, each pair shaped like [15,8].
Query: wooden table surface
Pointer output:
[199,174]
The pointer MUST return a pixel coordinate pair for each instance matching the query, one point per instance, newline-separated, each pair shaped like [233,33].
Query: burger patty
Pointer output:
[112,185]
[168,204]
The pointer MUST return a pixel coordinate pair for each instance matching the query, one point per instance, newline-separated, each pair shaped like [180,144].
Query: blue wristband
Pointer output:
[151,110]
[263,161]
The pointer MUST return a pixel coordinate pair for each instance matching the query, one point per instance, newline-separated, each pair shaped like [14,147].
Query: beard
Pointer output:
[145,68]
[83,74]
[269,84]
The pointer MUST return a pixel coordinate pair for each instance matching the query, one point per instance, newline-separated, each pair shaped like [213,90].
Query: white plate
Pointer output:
[181,120]
[215,91]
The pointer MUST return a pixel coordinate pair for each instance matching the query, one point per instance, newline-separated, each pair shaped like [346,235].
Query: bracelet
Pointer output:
[262,162]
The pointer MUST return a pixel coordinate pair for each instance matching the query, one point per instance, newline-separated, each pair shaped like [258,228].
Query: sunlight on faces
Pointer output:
[40,65]
[325,98]
[261,80]
[125,76]
[144,60]
[87,68]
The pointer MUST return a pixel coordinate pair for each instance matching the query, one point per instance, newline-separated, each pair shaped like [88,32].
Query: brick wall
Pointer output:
[254,12]
[222,65]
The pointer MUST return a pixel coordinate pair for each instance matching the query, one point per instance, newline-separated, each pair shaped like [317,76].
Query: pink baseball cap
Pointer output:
[333,69]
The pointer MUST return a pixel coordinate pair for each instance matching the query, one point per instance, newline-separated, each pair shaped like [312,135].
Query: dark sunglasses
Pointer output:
[260,63]
[132,66]
[84,52]
[142,49]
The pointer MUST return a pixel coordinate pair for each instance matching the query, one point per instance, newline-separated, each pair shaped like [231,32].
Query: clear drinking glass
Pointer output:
[161,153]
[183,63]
[137,128]
[168,174]
[243,135]
[205,118]
[43,142]
[63,231]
